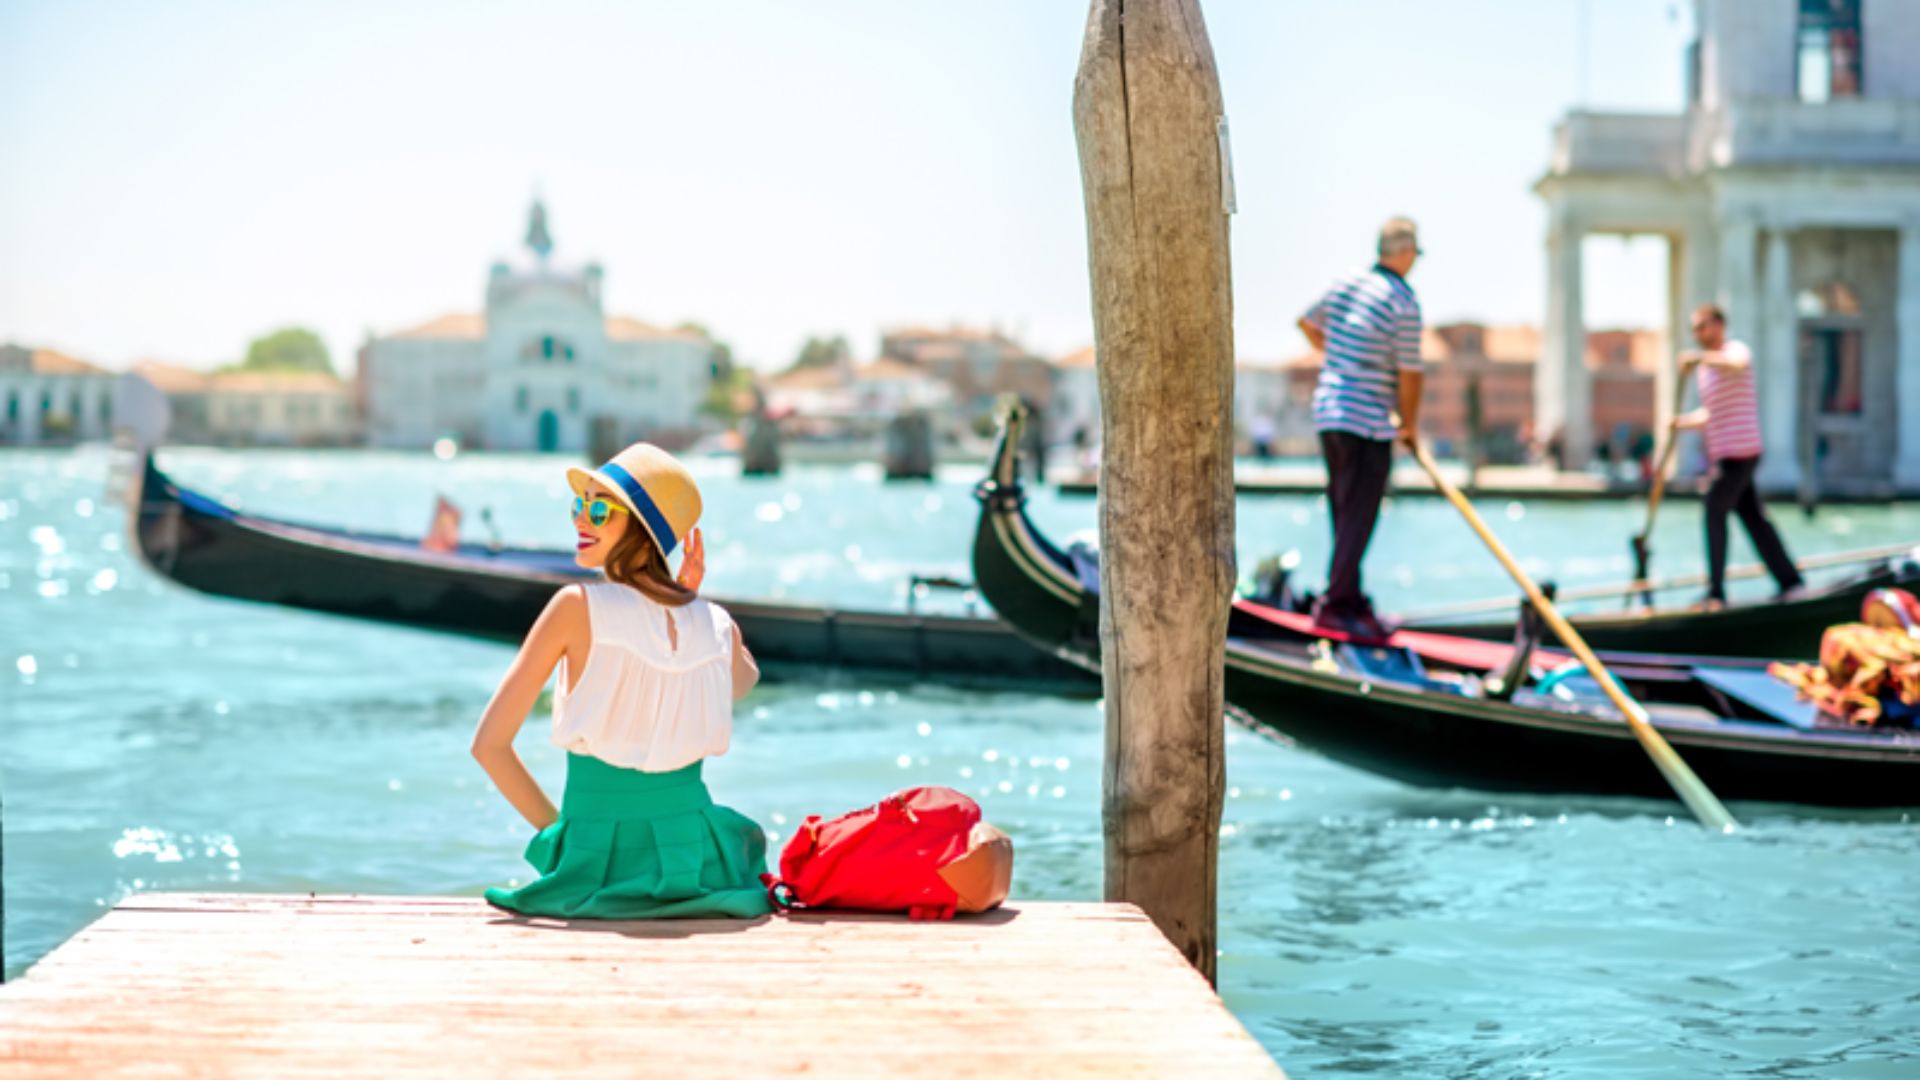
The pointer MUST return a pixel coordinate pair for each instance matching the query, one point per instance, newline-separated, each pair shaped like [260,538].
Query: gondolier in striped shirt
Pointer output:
[1729,415]
[1367,329]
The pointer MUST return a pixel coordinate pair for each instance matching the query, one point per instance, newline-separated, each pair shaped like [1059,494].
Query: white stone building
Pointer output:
[281,408]
[1789,193]
[543,368]
[255,408]
[49,397]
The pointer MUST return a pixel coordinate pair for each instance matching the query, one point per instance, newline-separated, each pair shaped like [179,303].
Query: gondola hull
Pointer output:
[478,592]
[1439,741]
[1440,738]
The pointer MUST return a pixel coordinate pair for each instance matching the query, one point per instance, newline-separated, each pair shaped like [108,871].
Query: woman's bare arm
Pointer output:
[562,625]
[746,672]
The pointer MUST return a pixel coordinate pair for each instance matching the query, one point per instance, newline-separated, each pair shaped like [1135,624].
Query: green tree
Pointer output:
[821,352]
[291,349]
[722,353]
[730,398]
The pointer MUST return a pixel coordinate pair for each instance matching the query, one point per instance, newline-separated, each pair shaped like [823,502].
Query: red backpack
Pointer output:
[924,851]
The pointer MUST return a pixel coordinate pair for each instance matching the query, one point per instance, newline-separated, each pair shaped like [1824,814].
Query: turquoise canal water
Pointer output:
[159,739]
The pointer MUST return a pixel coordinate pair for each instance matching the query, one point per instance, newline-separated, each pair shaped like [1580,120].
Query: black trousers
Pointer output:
[1732,490]
[1357,471]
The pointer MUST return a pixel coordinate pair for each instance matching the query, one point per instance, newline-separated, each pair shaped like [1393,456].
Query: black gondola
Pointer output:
[477,591]
[1432,711]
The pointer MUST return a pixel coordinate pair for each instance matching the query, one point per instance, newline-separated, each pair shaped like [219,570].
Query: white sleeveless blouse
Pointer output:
[641,703]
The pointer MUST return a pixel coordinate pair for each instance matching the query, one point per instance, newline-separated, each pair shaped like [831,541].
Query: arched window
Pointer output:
[520,400]
[548,349]
[573,399]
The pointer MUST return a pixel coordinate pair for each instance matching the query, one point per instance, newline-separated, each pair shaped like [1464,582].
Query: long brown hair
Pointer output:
[636,562]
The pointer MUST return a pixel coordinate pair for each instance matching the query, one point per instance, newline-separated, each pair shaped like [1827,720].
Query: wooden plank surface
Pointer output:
[233,985]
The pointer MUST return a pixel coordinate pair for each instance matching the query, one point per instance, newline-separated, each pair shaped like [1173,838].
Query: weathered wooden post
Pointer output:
[761,454]
[1148,119]
[907,447]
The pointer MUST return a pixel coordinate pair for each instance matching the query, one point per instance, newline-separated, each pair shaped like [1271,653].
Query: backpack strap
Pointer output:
[781,895]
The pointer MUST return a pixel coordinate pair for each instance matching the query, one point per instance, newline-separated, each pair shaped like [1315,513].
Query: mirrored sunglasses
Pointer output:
[599,511]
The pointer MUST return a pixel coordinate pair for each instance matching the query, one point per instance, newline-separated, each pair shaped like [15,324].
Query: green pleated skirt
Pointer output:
[637,845]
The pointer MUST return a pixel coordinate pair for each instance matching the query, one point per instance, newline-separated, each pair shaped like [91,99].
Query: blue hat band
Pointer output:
[649,511]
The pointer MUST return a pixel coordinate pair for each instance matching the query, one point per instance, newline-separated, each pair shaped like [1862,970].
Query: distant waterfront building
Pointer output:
[888,387]
[49,397]
[1075,416]
[977,365]
[1789,193]
[1276,398]
[255,408]
[187,391]
[1266,398]
[543,368]
[843,400]
[1499,364]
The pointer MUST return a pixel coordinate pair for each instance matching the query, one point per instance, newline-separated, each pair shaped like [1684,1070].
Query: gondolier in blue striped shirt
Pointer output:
[1367,330]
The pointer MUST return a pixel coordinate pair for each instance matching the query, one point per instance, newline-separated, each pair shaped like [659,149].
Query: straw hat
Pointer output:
[654,485]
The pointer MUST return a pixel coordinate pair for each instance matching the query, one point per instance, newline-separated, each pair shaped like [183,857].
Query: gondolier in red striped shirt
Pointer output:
[1729,414]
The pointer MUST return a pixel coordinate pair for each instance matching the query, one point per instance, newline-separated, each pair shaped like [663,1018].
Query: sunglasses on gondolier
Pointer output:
[599,511]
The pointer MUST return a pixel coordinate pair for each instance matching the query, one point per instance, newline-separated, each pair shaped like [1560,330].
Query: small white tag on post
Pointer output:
[1226,167]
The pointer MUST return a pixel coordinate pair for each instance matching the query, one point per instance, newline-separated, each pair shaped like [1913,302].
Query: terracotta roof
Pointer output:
[1513,344]
[173,378]
[44,362]
[816,378]
[887,369]
[936,350]
[952,333]
[457,327]
[1640,349]
[621,328]
[1079,358]
[275,382]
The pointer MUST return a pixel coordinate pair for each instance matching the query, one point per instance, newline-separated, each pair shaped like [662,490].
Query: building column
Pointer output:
[89,419]
[1737,286]
[1562,387]
[1777,374]
[1906,412]
[1693,269]
[32,391]
[1666,371]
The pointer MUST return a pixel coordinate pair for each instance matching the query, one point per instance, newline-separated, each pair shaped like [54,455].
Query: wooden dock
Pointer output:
[291,986]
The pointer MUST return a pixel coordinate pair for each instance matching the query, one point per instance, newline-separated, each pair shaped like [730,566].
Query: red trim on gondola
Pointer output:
[1458,652]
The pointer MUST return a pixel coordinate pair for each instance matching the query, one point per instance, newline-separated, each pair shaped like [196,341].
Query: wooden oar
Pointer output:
[1684,783]
[1642,553]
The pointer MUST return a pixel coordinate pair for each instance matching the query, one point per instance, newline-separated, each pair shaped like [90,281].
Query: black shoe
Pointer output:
[1359,627]
[1368,630]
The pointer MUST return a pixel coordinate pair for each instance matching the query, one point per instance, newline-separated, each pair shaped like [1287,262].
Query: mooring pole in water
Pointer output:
[1151,131]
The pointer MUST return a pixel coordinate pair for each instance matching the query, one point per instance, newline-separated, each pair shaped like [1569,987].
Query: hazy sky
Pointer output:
[180,177]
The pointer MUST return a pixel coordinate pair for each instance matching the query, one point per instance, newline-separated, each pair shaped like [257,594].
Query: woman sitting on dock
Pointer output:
[649,673]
